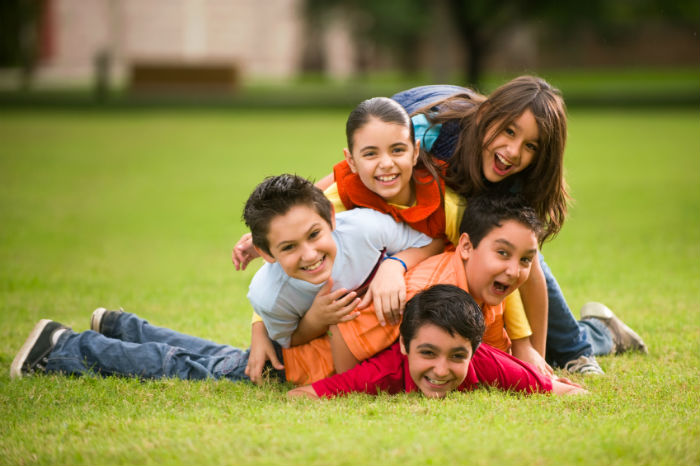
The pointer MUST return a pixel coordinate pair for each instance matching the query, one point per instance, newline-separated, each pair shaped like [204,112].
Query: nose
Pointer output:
[513,269]
[308,252]
[385,160]
[441,368]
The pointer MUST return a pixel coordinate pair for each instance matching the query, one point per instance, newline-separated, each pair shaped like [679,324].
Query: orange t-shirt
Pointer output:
[365,337]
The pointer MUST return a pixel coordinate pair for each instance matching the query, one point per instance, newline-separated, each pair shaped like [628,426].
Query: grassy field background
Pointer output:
[141,209]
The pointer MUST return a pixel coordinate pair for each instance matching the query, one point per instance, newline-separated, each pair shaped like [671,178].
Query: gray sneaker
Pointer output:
[624,338]
[99,316]
[34,354]
[586,365]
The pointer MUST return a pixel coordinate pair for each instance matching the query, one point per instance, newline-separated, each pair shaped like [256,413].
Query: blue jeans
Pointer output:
[567,338]
[132,347]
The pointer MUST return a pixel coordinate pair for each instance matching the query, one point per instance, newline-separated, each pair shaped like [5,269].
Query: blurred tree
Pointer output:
[19,36]
[400,25]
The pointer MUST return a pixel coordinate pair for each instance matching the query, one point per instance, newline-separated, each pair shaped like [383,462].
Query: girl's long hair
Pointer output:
[481,119]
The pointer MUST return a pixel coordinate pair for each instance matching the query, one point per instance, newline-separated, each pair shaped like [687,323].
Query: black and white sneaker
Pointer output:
[34,354]
[100,316]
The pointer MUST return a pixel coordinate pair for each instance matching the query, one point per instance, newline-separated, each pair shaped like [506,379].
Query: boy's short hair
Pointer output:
[488,211]
[276,195]
[447,307]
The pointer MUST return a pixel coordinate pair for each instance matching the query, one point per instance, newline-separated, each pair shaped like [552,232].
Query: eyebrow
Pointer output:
[512,246]
[285,241]
[393,144]
[433,347]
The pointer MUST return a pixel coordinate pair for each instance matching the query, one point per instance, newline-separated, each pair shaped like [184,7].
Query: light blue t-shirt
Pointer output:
[360,236]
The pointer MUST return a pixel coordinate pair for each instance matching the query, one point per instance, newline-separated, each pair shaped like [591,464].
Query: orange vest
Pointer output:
[426,216]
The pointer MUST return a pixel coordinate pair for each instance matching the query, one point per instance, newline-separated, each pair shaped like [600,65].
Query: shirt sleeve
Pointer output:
[380,373]
[391,235]
[280,306]
[333,195]
[454,211]
[515,318]
[497,369]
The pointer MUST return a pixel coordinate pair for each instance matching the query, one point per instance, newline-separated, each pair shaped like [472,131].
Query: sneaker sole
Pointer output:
[18,362]
[598,310]
[96,319]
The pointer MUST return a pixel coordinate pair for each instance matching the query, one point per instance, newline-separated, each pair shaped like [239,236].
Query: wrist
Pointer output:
[397,260]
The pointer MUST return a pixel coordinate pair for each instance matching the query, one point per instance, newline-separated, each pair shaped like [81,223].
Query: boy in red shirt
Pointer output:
[439,351]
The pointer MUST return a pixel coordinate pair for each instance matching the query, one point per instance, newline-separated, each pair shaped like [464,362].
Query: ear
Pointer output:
[416,152]
[269,258]
[349,159]
[464,247]
[402,346]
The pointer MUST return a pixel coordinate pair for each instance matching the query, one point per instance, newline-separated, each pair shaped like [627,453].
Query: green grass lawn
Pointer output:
[141,209]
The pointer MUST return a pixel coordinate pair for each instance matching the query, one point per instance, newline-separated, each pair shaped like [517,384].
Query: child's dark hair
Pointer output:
[481,119]
[447,307]
[389,111]
[276,195]
[488,211]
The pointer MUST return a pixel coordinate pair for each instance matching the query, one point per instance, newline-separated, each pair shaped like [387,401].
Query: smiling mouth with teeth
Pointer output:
[386,178]
[436,382]
[314,266]
[502,163]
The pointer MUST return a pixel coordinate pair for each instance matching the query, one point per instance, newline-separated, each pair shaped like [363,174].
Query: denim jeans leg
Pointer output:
[91,352]
[599,335]
[566,338]
[132,328]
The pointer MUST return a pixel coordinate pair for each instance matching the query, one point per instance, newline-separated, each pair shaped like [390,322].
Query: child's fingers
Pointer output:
[352,316]
[379,311]
[366,299]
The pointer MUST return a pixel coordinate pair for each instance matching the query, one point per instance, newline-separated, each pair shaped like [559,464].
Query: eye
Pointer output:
[509,131]
[314,234]
[399,150]
[531,147]
[459,357]
[369,153]
[502,253]
[426,353]
[526,261]
[287,247]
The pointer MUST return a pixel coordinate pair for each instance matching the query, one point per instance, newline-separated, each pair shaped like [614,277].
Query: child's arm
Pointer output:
[261,351]
[388,289]
[522,349]
[325,182]
[564,386]
[328,308]
[534,295]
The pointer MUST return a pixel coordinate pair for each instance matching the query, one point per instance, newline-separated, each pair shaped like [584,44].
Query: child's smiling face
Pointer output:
[500,263]
[512,150]
[383,157]
[302,243]
[437,361]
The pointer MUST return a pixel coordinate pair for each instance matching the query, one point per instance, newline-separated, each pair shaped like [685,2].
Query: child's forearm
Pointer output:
[534,296]
[343,359]
[308,329]
[325,182]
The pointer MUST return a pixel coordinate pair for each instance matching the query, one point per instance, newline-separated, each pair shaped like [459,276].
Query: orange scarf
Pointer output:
[426,216]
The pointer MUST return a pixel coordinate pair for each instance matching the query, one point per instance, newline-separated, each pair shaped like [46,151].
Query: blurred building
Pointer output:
[259,37]
[79,40]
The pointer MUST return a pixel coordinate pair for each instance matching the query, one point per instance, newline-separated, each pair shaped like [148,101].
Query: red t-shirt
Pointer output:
[388,372]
